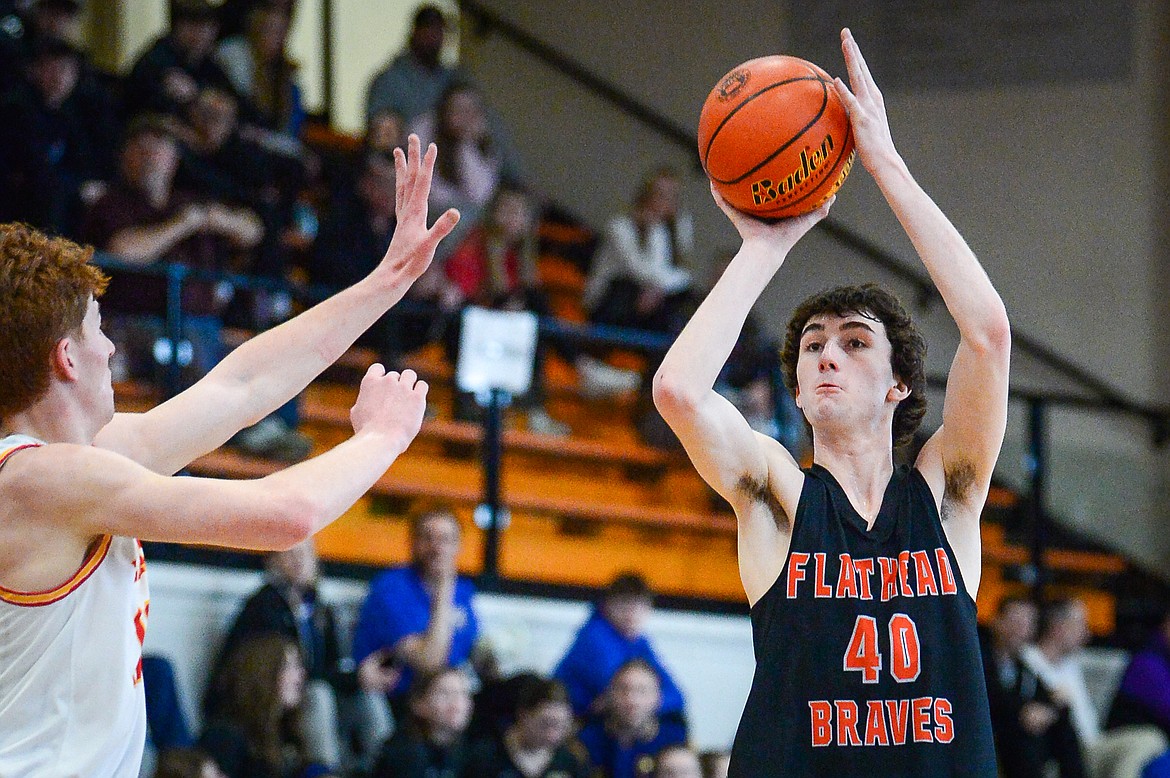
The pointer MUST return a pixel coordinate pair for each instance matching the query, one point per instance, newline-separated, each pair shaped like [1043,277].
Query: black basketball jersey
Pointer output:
[867,656]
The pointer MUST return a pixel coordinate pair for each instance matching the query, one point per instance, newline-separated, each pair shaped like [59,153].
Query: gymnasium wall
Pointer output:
[709,656]
[1057,184]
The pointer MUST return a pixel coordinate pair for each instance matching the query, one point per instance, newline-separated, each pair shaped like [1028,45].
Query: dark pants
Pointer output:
[1023,755]
[166,724]
[407,327]
[618,307]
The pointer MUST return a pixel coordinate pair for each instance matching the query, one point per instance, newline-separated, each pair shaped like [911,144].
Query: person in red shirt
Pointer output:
[495,267]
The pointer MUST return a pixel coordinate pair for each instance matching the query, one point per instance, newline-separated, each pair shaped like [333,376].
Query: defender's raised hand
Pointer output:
[413,246]
[391,403]
[867,108]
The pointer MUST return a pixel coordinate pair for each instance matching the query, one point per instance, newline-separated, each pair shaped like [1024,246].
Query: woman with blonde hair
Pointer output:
[261,71]
[494,266]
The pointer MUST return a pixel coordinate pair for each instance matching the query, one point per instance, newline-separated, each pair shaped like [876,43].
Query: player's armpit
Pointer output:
[960,481]
[955,483]
[765,515]
[960,492]
[722,446]
[759,494]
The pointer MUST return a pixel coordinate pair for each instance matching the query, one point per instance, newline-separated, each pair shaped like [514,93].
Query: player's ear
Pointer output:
[898,392]
[796,397]
[63,365]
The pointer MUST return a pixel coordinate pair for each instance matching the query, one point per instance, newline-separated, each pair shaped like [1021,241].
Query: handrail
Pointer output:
[487,21]
[599,334]
[603,334]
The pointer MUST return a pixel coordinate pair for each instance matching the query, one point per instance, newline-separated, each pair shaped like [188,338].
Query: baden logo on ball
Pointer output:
[774,138]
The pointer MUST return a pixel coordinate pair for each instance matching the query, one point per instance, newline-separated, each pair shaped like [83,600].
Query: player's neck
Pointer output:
[862,466]
[51,421]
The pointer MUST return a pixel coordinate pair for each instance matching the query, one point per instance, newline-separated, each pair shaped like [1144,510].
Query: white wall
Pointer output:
[709,656]
[368,33]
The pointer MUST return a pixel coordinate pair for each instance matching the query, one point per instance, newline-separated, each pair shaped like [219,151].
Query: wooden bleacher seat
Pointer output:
[458,483]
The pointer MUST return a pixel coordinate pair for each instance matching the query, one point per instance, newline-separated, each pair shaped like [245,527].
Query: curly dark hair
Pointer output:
[908,357]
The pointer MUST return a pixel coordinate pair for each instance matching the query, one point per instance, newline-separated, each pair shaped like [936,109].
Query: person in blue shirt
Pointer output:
[613,635]
[626,741]
[421,613]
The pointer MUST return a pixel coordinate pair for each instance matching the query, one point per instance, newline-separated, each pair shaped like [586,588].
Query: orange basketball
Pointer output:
[774,137]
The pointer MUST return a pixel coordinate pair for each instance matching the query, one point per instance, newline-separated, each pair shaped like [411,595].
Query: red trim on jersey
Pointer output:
[14,449]
[35,599]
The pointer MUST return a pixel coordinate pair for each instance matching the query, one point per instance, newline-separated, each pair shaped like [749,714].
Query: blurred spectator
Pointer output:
[1144,694]
[24,22]
[343,166]
[494,266]
[472,159]
[59,19]
[714,763]
[639,277]
[422,613]
[1118,753]
[220,163]
[612,637]
[344,704]
[353,238]
[169,75]
[538,742]
[677,761]
[385,131]
[13,31]
[144,220]
[253,728]
[1032,726]
[186,763]
[358,226]
[58,141]
[217,162]
[431,744]
[494,708]
[272,113]
[413,81]
[262,73]
[233,14]
[623,743]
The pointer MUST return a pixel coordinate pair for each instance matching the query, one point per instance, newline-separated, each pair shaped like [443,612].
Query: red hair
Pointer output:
[45,287]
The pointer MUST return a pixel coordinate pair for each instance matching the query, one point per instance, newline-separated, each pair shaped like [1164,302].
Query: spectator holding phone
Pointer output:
[422,613]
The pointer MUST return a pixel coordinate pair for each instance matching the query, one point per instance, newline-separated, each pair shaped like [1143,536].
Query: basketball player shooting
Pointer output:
[861,576]
[80,484]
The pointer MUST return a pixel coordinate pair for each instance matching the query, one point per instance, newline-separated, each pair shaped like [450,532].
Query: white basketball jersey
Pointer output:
[71,699]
